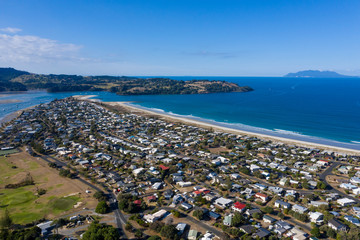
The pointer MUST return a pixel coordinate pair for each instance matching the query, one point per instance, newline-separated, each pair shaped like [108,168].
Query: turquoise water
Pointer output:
[319,110]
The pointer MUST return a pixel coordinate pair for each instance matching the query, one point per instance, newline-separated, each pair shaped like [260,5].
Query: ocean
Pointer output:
[319,110]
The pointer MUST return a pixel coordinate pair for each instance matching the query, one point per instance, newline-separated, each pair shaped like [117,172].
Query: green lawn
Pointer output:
[63,204]
[6,152]
[25,207]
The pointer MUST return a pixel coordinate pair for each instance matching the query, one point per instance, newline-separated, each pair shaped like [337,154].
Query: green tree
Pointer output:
[321,185]
[315,232]
[154,238]
[169,231]
[267,209]
[257,215]
[101,231]
[237,220]
[198,214]
[102,207]
[6,221]
[100,196]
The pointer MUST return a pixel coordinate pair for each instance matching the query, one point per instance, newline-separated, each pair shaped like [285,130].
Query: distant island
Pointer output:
[15,80]
[317,74]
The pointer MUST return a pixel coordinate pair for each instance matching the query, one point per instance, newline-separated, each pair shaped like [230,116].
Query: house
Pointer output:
[247,229]
[276,190]
[210,197]
[138,171]
[251,212]
[223,202]
[164,168]
[227,220]
[281,227]
[181,227]
[344,169]
[282,204]
[238,207]
[348,186]
[184,184]
[318,203]
[157,186]
[336,225]
[168,194]
[261,233]
[356,210]
[208,236]
[186,206]
[150,218]
[283,181]
[268,219]
[316,217]
[355,180]
[298,234]
[235,176]
[46,227]
[192,235]
[299,209]
[214,215]
[263,197]
[345,202]
[259,186]
[352,219]
[254,168]
[151,198]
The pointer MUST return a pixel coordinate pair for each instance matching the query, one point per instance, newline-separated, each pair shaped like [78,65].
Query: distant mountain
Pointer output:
[317,74]
[6,74]
[14,80]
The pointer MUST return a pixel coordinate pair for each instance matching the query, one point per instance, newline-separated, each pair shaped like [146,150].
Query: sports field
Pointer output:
[24,203]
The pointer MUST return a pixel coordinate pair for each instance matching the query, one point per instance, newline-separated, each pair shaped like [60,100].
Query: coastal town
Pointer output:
[157,178]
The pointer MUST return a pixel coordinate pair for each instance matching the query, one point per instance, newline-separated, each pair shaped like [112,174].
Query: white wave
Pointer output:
[287,132]
[356,142]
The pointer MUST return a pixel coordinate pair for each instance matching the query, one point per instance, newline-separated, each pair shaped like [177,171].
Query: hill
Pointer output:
[317,74]
[14,80]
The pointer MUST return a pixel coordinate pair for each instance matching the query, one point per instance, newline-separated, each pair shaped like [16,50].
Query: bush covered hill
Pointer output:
[15,80]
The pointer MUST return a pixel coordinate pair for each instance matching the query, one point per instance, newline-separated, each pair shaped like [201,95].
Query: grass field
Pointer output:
[24,204]
[6,152]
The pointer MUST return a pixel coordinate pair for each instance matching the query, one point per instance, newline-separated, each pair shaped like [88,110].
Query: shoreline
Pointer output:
[13,115]
[217,126]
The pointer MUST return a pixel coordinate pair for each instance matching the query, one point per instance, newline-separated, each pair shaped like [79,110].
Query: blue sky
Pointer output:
[180,37]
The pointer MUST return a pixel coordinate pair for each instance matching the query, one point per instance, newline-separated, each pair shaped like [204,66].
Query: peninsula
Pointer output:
[14,80]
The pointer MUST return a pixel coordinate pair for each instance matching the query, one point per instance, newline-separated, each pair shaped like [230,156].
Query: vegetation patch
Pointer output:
[28,180]
[14,197]
[10,151]
[63,203]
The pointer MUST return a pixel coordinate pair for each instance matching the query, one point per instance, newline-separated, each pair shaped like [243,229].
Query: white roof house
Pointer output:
[345,202]
[223,202]
[316,217]
[138,171]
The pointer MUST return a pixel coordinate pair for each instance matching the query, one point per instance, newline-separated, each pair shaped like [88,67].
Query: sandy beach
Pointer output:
[13,115]
[168,117]
[5,101]
[86,97]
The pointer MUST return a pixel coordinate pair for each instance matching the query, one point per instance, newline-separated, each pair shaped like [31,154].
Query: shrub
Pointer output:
[102,207]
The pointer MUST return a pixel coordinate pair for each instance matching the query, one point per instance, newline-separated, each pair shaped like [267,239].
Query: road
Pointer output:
[119,217]
[328,172]
[201,224]
[121,220]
